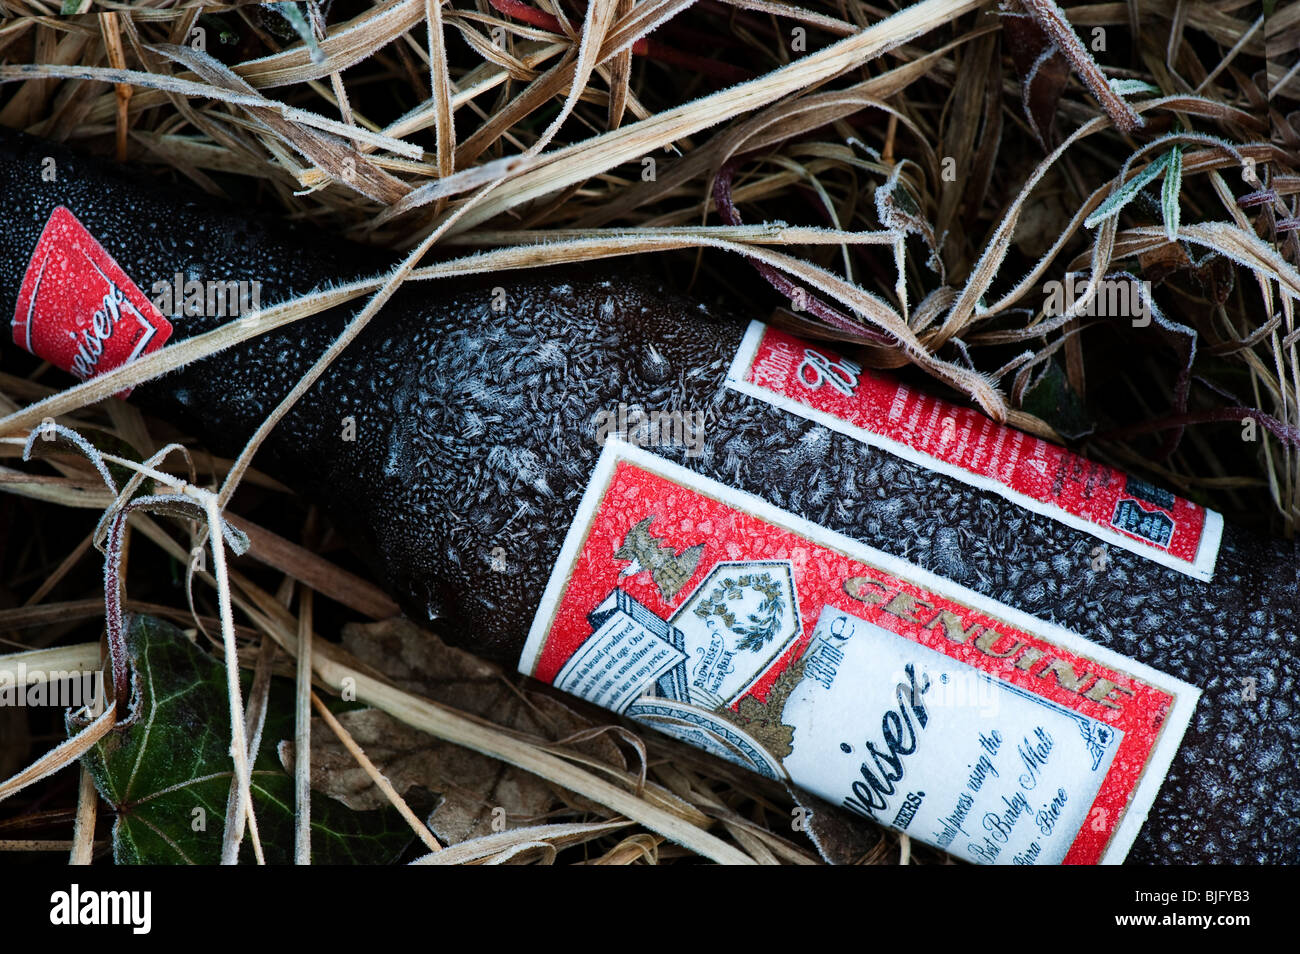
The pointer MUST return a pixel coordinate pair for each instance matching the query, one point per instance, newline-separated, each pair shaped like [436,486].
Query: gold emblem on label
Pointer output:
[670,570]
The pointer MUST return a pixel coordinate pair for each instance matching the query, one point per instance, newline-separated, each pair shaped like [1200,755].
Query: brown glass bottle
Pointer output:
[453,442]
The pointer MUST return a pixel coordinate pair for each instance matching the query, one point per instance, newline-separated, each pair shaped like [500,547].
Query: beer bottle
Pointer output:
[710,526]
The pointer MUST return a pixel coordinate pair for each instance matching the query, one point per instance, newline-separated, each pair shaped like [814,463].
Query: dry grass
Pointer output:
[511,135]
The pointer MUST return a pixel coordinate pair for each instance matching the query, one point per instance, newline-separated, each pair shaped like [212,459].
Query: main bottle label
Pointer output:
[78,310]
[812,381]
[804,655]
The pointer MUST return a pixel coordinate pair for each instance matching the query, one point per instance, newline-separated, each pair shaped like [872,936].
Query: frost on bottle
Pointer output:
[711,527]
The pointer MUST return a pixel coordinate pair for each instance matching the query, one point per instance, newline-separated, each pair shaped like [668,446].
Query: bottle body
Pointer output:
[455,443]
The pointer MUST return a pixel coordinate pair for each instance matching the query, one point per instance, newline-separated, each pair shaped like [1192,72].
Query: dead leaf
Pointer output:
[1043,70]
[472,786]
[1159,263]
[1045,218]
[841,837]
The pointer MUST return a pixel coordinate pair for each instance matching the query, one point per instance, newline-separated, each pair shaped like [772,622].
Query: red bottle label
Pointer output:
[78,310]
[814,382]
[802,654]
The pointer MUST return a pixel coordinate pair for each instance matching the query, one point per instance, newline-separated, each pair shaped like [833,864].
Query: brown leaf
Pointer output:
[973,113]
[1043,71]
[1045,218]
[841,837]
[471,785]
[342,161]
[1159,263]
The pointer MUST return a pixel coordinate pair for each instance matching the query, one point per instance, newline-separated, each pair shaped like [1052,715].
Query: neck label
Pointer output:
[78,310]
[812,381]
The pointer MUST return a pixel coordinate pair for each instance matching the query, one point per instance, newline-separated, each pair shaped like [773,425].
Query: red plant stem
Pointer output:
[527,13]
[811,303]
[654,50]
[114,622]
[1285,433]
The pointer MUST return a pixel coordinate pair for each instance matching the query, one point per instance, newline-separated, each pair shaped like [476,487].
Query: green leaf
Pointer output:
[175,759]
[1173,184]
[1126,193]
[1054,401]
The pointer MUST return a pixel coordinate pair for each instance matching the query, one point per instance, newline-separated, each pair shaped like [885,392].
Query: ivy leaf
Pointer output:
[1052,399]
[167,775]
[1173,184]
[1127,192]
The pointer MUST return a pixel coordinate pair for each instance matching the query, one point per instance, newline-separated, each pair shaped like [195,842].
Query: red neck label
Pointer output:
[78,310]
[814,382]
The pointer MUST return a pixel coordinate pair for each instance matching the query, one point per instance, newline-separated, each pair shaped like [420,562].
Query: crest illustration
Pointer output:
[739,621]
[669,569]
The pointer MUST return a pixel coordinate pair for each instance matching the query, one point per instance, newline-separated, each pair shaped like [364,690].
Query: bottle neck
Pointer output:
[88,243]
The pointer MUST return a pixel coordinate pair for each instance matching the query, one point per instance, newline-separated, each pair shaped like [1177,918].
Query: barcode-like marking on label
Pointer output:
[710,614]
[814,382]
